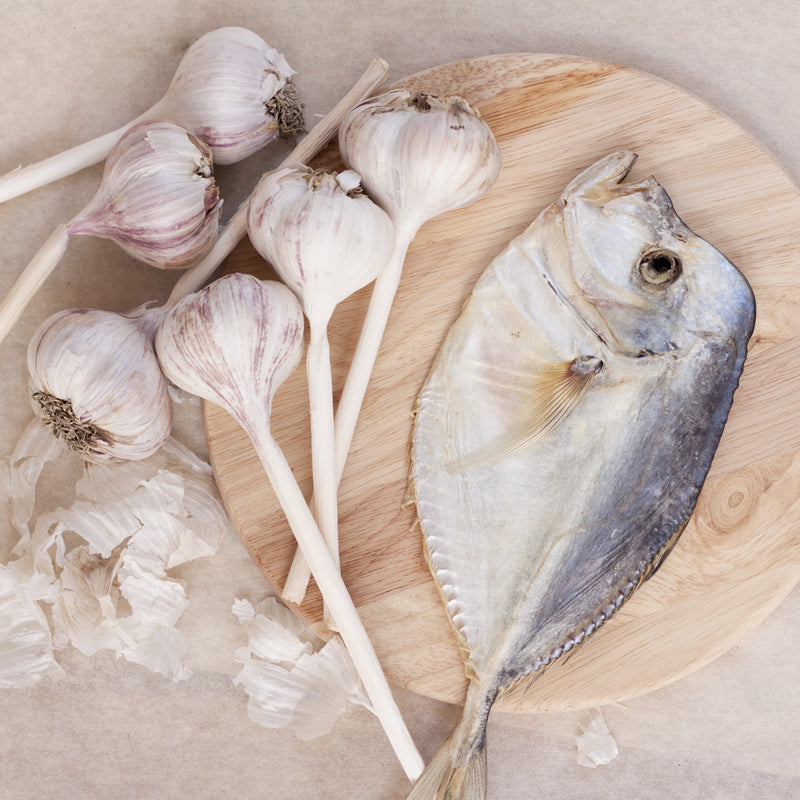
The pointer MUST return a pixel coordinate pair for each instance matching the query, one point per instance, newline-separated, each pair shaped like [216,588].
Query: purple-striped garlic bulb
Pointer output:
[95,381]
[158,201]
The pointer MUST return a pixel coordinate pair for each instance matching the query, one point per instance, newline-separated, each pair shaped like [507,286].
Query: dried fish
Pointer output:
[564,432]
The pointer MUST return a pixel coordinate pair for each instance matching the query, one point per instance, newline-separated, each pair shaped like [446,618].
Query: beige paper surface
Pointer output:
[112,729]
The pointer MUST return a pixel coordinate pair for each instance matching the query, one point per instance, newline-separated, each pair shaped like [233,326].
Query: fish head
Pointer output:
[638,276]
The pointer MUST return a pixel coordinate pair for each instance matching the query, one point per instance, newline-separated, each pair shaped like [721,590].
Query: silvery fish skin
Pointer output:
[565,430]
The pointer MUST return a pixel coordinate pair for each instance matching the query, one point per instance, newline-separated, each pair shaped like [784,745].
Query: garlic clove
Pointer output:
[234,92]
[96,382]
[419,155]
[233,342]
[158,199]
[324,236]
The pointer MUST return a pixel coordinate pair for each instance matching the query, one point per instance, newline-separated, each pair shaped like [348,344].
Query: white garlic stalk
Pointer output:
[96,382]
[326,239]
[158,201]
[234,343]
[418,156]
[230,89]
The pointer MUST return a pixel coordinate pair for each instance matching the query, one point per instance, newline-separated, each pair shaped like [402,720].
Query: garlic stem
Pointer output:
[355,387]
[34,275]
[327,575]
[26,179]
[323,455]
[369,342]
[319,136]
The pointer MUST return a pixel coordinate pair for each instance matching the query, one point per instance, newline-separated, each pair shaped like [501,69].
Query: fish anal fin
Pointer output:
[554,391]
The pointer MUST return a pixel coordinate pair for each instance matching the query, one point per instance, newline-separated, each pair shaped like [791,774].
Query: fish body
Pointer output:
[565,430]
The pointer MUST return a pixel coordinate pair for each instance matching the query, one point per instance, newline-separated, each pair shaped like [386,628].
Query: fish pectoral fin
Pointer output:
[555,391]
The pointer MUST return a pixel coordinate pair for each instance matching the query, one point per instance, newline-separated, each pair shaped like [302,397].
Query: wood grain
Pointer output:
[553,116]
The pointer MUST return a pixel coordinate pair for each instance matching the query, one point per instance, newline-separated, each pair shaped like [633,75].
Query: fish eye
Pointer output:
[659,267]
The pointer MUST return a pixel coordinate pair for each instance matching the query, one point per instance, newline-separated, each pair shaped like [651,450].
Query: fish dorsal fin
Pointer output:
[554,391]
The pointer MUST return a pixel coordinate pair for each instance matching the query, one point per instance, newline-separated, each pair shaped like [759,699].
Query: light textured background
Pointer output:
[111,729]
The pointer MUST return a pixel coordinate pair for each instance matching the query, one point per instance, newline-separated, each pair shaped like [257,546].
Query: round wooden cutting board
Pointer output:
[553,116]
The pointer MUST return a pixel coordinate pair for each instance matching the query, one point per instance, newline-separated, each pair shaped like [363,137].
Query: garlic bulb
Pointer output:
[97,384]
[324,237]
[158,201]
[419,155]
[234,343]
[234,92]
[326,240]
[230,89]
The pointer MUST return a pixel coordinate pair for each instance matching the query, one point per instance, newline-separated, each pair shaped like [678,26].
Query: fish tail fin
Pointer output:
[454,773]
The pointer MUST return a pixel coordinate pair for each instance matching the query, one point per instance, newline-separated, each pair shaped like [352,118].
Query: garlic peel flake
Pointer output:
[291,677]
[26,652]
[111,591]
[596,746]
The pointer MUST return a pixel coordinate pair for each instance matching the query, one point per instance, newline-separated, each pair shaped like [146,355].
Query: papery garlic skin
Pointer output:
[97,383]
[102,563]
[419,155]
[236,335]
[158,199]
[231,89]
[26,650]
[325,240]
[293,678]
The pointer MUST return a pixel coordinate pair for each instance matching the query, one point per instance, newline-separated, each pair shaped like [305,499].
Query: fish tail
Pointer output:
[458,770]
[453,775]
